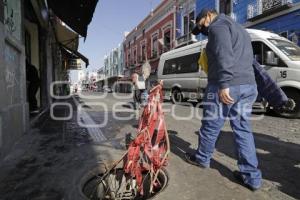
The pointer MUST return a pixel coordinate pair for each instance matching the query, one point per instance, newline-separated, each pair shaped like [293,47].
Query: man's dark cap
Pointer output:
[203,13]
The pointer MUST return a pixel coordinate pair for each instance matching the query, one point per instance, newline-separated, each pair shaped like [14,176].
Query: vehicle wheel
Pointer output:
[176,96]
[295,95]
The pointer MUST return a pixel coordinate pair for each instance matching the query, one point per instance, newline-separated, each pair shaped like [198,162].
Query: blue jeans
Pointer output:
[214,115]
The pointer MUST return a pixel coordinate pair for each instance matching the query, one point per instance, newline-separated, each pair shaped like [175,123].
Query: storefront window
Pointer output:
[12,17]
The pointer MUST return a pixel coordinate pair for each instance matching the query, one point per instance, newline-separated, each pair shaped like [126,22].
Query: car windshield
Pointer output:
[288,48]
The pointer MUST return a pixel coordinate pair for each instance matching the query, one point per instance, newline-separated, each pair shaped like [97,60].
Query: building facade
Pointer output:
[14,115]
[114,62]
[100,74]
[279,16]
[25,35]
[170,24]
[152,37]
[186,13]
[113,68]
[30,32]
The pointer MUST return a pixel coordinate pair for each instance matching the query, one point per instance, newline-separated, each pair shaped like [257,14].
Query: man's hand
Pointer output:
[225,96]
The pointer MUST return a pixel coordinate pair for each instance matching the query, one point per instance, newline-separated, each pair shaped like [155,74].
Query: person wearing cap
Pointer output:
[230,93]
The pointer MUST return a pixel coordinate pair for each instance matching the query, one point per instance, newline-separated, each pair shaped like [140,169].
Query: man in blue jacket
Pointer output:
[230,93]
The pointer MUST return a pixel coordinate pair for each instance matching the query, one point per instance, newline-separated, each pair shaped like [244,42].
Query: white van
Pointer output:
[184,80]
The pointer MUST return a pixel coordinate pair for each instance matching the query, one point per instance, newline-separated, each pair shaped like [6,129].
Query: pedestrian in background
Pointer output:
[230,93]
[33,84]
[139,88]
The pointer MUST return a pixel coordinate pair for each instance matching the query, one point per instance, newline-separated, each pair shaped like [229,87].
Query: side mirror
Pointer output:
[271,58]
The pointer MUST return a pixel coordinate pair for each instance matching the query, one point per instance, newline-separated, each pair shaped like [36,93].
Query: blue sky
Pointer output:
[111,19]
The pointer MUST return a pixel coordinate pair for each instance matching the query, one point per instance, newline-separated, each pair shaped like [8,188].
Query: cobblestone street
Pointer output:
[50,161]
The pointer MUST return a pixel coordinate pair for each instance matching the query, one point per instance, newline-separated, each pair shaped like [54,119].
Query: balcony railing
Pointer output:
[261,7]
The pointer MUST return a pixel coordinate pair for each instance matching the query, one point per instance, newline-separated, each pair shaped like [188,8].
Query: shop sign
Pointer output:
[74,63]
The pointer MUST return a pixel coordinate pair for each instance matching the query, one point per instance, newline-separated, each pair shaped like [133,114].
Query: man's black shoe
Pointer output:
[238,176]
[191,158]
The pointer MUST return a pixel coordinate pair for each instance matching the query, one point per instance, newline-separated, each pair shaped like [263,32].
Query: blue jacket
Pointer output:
[229,52]
[267,88]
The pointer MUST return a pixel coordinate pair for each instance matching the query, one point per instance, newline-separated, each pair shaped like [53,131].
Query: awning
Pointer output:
[66,37]
[77,14]
[73,56]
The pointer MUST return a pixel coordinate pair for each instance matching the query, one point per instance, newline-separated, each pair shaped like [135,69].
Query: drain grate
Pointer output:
[118,186]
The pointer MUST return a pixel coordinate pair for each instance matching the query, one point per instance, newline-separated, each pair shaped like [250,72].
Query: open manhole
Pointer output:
[118,186]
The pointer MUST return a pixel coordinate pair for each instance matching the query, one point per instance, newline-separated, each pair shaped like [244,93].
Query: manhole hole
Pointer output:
[118,186]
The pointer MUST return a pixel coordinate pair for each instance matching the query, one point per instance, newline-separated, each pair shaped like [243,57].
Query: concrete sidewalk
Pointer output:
[50,161]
